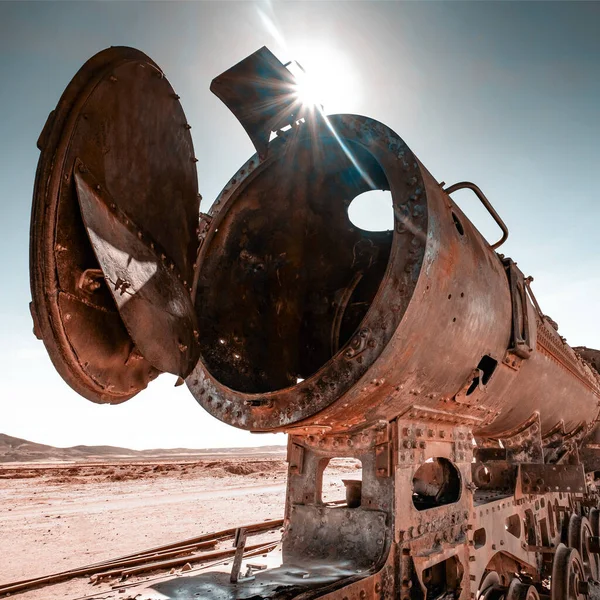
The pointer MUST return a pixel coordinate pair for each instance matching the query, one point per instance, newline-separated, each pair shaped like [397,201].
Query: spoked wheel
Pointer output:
[594,518]
[579,534]
[564,520]
[491,588]
[568,577]
[517,590]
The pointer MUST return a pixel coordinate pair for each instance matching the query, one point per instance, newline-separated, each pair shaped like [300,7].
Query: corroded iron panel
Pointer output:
[120,116]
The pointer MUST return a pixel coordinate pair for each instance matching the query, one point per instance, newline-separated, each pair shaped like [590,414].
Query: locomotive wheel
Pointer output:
[491,588]
[594,519]
[568,577]
[579,534]
[521,591]
[564,519]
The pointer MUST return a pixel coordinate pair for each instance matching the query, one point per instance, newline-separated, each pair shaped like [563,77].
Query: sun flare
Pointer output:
[325,78]
[308,91]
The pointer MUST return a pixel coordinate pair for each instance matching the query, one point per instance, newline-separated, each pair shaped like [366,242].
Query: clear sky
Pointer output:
[503,94]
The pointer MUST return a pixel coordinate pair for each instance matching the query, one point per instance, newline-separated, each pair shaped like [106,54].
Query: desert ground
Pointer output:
[61,514]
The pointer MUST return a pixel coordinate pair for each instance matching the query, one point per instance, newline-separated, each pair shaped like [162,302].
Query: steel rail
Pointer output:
[206,540]
[177,562]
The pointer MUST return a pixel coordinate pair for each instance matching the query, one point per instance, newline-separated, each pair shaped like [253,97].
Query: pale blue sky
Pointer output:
[503,94]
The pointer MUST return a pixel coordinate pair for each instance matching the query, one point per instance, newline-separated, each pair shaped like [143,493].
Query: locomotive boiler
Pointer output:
[420,351]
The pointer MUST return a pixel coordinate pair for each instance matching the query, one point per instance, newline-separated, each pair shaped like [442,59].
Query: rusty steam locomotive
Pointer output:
[420,351]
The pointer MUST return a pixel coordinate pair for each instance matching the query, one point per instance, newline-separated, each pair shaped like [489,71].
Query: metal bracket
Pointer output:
[383,459]
[383,450]
[520,344]
[296,458]
[463,397]
[540,479]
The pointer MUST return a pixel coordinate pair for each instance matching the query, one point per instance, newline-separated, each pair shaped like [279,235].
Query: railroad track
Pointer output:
[199,549]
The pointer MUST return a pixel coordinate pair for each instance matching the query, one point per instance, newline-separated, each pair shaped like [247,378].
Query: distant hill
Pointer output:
[14,449]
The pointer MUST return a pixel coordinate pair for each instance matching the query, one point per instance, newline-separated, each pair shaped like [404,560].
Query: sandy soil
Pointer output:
[56,517]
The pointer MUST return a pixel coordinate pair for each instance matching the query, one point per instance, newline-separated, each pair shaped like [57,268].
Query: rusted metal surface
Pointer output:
[262,94]
[284,276]
[121,118]
[440,301]
[151,296]
[418,351]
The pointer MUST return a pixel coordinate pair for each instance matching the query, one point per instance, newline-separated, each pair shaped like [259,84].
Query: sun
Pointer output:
[308,90]
[325,78]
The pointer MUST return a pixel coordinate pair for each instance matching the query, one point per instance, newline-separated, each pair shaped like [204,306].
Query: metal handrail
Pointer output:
[486,203]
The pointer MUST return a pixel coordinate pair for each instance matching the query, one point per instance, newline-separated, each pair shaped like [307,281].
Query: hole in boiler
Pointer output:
[372,211]
[435,483]
[341,482]
[458,224]
[486,367]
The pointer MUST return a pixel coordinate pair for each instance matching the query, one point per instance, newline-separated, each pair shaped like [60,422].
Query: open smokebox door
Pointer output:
[114,230]
[295,302]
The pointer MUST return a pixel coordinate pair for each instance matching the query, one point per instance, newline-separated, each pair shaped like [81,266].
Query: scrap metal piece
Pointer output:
[261,93]
[121,117]
[147,287]
[240,547]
